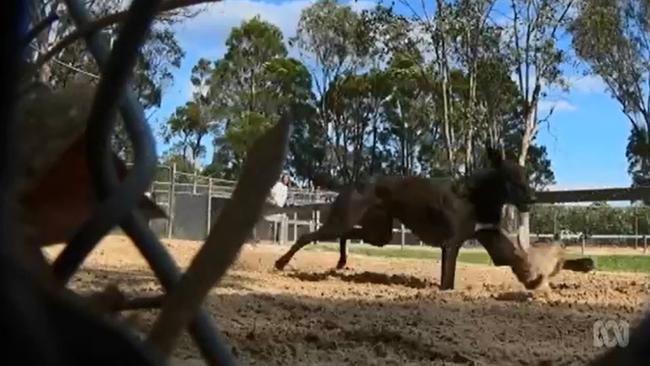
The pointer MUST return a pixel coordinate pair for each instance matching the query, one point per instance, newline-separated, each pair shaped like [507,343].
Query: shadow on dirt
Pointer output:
[441,330]
[139,280]
[426,327]
[365,277]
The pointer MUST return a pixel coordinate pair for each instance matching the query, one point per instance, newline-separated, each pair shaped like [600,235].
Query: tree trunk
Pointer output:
[529,128]
[447,126]
[527,136]
[530,123]
[443,64]
[510,219]
[468,151]
[524,231]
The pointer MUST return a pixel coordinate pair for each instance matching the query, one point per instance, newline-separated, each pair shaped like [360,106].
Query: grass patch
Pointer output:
[623,263]
[608,263]
[392,251]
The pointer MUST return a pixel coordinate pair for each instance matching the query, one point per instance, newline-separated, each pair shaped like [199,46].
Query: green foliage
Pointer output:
[540,174]
[531,47]
[183,165]
[189,126]
[375,100]
[245,130]
[638,157]
[253,43]
[594,219]
[249,89]
[334,37]
[153,70]
[613,39]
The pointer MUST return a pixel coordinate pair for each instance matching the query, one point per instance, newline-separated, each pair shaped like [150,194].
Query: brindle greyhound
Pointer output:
[443,213]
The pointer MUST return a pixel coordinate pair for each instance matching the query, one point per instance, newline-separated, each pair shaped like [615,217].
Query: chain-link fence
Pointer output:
[53,326]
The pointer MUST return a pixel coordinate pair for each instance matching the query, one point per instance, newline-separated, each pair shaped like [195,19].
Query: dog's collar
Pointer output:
[480,226]
[486,226]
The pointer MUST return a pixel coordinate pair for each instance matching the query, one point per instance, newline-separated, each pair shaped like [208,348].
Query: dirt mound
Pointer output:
[365,277]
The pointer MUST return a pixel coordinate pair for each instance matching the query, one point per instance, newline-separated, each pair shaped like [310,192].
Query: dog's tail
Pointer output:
[579,265]
[302,209]
[151,210]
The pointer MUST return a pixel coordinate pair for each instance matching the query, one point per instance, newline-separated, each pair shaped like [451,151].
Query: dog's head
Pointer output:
[502,182]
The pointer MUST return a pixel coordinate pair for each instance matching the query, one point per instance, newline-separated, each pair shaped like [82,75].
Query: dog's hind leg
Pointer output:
[303,240]
[346,211]
[354,234]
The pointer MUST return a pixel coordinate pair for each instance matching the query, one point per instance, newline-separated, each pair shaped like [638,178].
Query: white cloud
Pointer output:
[218,19]
[589,84]
[359,6]
[205,35]
[210,29]
[559,105]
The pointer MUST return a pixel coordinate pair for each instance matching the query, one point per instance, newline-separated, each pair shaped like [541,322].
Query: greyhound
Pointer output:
[441,213]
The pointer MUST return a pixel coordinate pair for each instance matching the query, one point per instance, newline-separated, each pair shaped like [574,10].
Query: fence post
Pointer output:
[172,200]
[636,232]
[582,245]
[284,229]
[274,231]
[209,215]
[195,177]
[317,221]
[403,237]
[645,235]
[295,226]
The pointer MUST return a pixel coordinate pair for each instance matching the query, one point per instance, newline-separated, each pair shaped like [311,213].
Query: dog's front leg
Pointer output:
[343,253]
[448,268]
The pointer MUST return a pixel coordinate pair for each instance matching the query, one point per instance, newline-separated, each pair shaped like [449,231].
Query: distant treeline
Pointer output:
[591,220]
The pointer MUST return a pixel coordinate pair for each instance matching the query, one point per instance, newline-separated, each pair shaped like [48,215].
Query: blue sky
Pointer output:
[585,137]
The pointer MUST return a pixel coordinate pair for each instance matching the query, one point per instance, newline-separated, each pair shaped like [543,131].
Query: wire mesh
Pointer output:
[118,199]
[13,21]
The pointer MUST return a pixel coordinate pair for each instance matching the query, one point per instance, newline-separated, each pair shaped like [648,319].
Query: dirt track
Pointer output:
[384,311]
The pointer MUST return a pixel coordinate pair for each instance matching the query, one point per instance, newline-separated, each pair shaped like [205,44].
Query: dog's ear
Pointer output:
[494,156]
[383,193]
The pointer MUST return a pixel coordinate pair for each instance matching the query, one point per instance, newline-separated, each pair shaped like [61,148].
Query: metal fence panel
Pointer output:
[190,215]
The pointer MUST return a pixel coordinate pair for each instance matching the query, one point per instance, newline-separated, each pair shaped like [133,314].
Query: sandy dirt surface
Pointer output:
[382,311]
